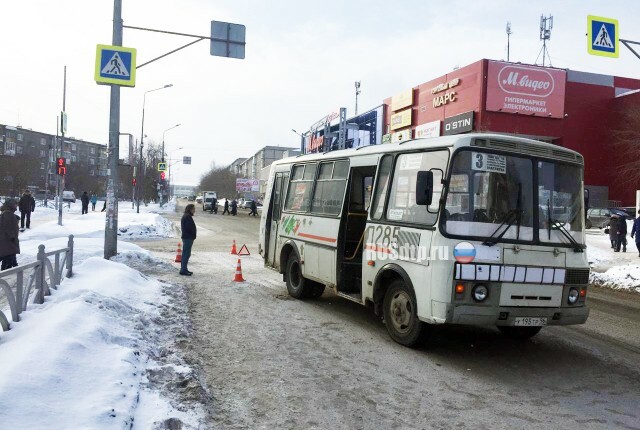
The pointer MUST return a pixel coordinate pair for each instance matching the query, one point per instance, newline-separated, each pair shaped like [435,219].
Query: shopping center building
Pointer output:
[577,110]
[583,111]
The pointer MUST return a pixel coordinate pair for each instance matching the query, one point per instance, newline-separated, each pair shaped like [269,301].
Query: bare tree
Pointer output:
[220,180]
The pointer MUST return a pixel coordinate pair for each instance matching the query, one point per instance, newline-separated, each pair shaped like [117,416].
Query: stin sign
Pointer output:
[458,124]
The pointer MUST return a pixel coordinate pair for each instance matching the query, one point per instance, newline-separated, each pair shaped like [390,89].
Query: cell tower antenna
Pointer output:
[508,37]
[357,84]
[546,24]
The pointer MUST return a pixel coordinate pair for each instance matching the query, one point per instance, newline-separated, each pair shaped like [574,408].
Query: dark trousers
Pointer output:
[85,208]
[622,241]
[93,206]
[225,211]
[187,244]
[24,215]
[253,212]
[8,261]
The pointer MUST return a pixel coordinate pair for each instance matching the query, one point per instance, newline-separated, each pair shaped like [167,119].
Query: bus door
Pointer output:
[280,183]
[351,246]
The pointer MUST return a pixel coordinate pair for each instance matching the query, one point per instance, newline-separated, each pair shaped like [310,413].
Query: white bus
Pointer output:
[479,229]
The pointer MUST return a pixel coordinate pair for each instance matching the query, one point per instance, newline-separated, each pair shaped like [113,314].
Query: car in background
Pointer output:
[199,199]
[599,217]
[68,196]
[246,204]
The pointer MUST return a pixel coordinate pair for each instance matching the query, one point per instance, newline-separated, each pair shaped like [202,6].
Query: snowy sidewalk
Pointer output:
[617,270]
[101,351]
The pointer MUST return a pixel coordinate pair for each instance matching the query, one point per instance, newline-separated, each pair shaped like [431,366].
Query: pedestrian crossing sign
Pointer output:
[162,166]
[115,65]
[603,36]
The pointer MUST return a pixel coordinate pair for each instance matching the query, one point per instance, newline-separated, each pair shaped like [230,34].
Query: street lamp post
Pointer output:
[139,183]
[170,128]
[170,164]
[164,182]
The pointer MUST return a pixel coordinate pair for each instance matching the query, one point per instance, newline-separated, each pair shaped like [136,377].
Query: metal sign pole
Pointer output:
[62,130]
[111,222]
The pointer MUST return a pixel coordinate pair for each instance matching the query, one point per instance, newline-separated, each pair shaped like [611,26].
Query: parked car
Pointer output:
[68,196]
[605,218]
[247,204]
[597,217]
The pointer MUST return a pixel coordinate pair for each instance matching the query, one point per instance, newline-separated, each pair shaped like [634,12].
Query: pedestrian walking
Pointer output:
[26,205]
[621,240]
[226,207]
[188,227]
[9,242]
[85,202]
[254,208]
[613,230]
[635,231]
[94,200]
[234,207]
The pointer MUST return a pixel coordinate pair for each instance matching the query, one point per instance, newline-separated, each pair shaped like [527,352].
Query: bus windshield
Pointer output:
[490,197]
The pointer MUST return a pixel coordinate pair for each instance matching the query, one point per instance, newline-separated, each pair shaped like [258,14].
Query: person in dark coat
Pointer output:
[234,207]
[621,240]
[26,205]
[214,205]
[188,227]
[254,208]
[226,207]
[613,230]
[85,202]
[9,243]
[635,231]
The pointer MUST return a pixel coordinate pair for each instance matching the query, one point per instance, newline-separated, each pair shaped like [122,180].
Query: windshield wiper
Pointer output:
[512,215]
[559,225]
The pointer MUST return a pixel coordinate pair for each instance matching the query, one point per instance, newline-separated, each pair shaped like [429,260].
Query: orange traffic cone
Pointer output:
[178,254]
[238,277]
[233,249]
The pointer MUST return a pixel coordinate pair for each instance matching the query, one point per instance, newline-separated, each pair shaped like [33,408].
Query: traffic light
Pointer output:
[61,166]
[162,176]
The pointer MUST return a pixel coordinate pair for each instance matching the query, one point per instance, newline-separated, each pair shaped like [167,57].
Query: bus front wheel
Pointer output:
[401,315]
[519,332]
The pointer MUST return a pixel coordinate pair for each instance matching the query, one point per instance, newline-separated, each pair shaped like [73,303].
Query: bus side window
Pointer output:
[382,185]
[300,187]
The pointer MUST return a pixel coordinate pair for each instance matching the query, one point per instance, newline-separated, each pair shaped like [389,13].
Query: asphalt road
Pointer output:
[269,361]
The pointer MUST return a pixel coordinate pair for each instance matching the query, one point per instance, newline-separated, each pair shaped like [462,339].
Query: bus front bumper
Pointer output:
[490,315]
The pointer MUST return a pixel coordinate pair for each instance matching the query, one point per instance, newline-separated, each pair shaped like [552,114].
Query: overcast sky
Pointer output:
[302,59]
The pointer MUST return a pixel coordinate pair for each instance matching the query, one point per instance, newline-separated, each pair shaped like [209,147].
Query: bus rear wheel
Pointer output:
[401,315]
[297,285]
[519,332]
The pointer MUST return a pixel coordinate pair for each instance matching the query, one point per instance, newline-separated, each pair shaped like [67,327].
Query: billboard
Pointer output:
[528,90]
[430,129]
[247,185]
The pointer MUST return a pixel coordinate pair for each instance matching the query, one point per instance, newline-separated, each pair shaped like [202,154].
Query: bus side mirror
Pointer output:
[424,188]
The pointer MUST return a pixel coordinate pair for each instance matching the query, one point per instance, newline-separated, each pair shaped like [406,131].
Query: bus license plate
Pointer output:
[529,322]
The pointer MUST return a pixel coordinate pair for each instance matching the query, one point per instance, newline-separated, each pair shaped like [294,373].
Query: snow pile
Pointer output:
[83,356]
[619,277]
[101,352]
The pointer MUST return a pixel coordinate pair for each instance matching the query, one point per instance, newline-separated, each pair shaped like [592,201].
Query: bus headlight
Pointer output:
[573,296]
[480,292]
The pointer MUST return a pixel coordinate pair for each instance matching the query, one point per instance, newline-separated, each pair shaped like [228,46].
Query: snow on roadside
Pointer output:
[616,270]
[101,351]
[619,278]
